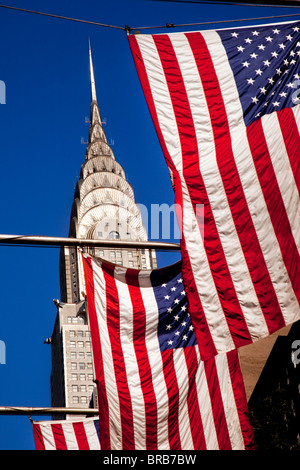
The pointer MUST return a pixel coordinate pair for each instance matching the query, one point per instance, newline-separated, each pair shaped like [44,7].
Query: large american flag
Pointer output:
[225,107]
[75,434]
[154,391]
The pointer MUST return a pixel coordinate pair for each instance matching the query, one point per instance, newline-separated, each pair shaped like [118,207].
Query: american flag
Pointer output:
[154,391]
[225,107]
[75,434]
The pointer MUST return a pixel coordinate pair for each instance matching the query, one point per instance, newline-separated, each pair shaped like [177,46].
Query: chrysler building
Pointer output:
[104,208]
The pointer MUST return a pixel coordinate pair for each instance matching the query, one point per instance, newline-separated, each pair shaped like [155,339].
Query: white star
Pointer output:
[266,103]
[185,337]
[170,342]
[276,31]
[298,44]
[262,47]
[290,85]
[177,333]
[179,280]
[293,62]
[240,48]
[234,35]
[282,46]
[176,301]
[296,29]
[263,90]
[278,71]
[275,103]
[167,297]
[164,285]
[258,114]
[169,310]
[173,288]
[250,81]
[254,100]
[176,317]
[283,94]
[183,292]
[292,53]
[286,62]
[253,56]
[270,80]
[269,39]
[267,63]
[246,64]
[289,37]
[248,40]
[297,76]
[296,99]
[274,54]
[183,308]
[168,327]
[258,72]
[191,328]
[255,33]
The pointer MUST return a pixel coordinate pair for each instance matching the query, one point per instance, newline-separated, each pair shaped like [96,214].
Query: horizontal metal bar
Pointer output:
[25,410]
[61,241]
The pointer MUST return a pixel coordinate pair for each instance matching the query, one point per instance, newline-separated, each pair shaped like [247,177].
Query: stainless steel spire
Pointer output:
[92,77]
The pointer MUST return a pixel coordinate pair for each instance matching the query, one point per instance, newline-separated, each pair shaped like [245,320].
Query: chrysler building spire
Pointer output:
[92,77]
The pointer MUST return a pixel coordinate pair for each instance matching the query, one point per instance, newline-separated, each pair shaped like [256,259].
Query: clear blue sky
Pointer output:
[44,64]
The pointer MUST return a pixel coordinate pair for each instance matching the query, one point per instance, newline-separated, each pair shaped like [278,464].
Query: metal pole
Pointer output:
[61,241]
[23,410]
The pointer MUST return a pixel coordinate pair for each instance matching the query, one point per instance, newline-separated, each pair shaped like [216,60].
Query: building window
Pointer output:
[90,377]
[74,376]
[82,377]
[69,320]
[130,263]
[73,355]
[89,365]
[75,399]
[83,388]
[80,333]
[81,365]
[129,254]
[74,388]
[81,355]
[73,365]
[88,344]
[72,333]
[72,344]
[119,254]
[80,344]
[112,254]
[114,235]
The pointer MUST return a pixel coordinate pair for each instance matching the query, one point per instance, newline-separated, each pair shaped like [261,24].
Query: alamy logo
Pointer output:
[2,352]
[2,92]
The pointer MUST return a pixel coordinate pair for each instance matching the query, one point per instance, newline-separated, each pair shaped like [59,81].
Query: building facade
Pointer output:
[104,208]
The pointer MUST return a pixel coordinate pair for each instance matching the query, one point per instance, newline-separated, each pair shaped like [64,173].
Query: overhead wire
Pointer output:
[129,29]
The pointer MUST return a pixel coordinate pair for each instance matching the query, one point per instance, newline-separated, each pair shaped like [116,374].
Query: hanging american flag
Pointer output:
[225,107]
[76,434]
[154,392]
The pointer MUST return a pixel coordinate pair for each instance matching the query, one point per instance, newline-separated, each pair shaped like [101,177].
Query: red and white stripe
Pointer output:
[243,279]
[153,400]
[66,434]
